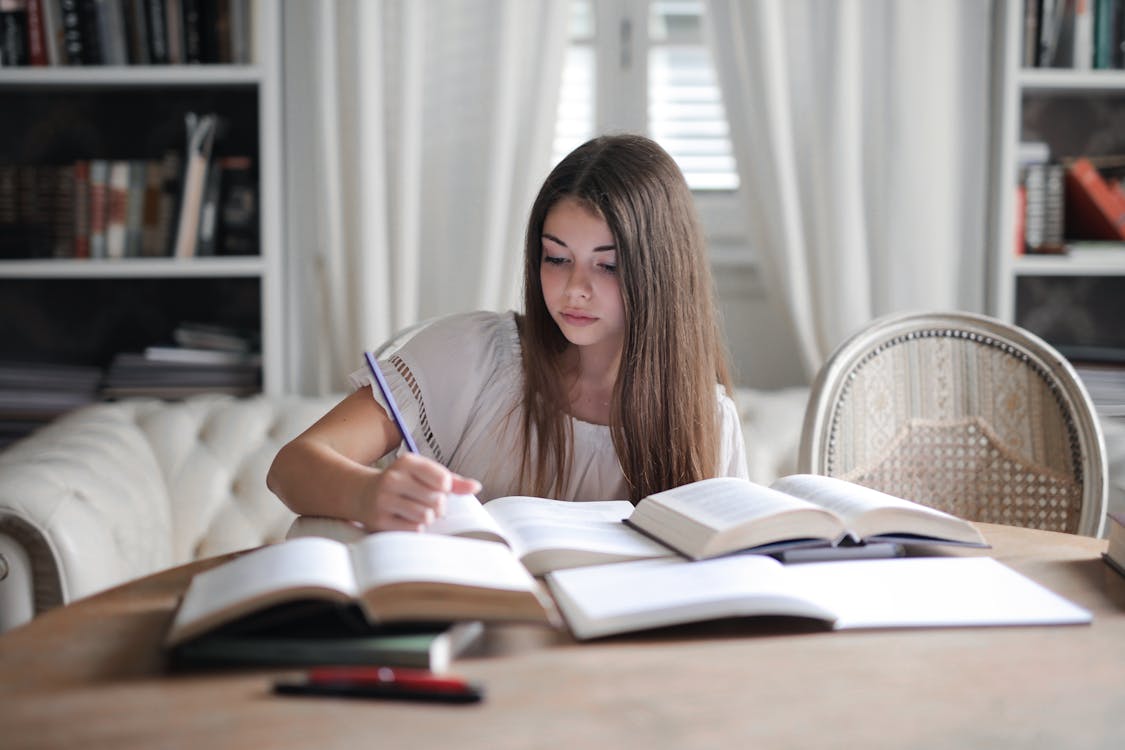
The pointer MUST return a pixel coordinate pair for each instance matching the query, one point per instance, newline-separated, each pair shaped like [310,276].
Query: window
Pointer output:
[655,78]
[643,66]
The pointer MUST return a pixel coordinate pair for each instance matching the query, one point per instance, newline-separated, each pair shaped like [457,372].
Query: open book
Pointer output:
[544,534]
[392,576]
[717,516]
[899,593]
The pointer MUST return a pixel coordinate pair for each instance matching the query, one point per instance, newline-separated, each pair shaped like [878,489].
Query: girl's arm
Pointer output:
[327,471]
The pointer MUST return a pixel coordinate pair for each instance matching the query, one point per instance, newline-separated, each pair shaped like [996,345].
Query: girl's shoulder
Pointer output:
[474,337]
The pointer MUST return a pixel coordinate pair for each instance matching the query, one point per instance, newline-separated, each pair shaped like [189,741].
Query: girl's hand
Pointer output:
[410,494]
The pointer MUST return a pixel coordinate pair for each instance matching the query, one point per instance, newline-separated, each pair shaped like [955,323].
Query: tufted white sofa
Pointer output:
[119,490]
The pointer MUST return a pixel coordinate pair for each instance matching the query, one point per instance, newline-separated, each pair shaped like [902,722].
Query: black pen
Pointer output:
[385,389]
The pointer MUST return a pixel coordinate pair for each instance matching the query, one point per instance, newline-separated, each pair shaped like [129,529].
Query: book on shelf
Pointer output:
[34,393]
[1044,208]
[1115,549]
[718,516]
[209,210]
[1050,26]
[200,141]
[123,32]
[139,374]
[1075,48]
[193,334]
[134,207]
[70,19]
[99,207]
[36,33]
[117,206]
[63,206]
[238,206]
[321,635]
[13,34]
[197,356]
[389,577]
[914,592]
[1109,34]
[543,534]
[1095,208]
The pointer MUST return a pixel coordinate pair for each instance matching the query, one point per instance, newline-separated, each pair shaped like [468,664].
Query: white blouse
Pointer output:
[457,383]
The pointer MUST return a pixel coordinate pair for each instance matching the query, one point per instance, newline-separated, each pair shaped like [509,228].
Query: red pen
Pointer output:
[393,683]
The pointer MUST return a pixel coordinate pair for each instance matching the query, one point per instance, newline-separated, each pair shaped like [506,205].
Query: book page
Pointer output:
[533,524]
[846,499]
[869,513]
[725,501]
[279,572]
[931,592]
[465,516]
[390,557]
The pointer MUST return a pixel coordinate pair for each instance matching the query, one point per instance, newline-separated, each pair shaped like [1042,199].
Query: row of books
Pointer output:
[1077,34]
[1058,202]
[124,208]
[689,554]
[202,358]
[124,32]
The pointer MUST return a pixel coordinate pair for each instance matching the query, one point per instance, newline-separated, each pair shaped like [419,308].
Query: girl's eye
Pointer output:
[554,260]
[609,267]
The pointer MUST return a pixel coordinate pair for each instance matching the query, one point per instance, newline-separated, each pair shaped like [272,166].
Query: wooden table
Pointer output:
[92,675]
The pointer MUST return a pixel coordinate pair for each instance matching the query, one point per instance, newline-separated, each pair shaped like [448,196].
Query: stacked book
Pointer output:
[34,393]
[204,359]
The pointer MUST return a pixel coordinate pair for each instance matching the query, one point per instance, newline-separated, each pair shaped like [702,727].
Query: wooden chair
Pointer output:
[964,413]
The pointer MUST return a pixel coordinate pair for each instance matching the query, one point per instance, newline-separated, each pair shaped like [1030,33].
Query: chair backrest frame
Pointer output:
[831,386]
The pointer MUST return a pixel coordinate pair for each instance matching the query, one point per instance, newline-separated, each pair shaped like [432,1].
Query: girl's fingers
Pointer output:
[411,492]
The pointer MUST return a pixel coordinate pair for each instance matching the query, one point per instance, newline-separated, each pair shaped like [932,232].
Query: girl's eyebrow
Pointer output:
[557,241]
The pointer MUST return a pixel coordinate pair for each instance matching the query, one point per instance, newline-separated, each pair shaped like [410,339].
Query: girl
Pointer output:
[612,384]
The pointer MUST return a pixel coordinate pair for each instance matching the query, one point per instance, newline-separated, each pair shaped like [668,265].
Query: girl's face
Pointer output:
[578,273]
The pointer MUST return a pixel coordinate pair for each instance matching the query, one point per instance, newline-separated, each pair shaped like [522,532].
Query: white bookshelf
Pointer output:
[1018,89]
[258,82]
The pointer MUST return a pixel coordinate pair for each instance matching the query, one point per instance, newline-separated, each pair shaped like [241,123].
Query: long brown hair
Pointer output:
[664,416]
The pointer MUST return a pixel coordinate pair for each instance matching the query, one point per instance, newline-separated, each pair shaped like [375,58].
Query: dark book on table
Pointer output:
[311,633]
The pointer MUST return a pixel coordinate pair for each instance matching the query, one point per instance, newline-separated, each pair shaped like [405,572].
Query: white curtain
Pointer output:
[417,132]
[861,132]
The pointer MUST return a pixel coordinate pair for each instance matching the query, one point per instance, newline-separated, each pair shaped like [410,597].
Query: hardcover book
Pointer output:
[389,577]
[723,515]
[325,638]
[1094,208]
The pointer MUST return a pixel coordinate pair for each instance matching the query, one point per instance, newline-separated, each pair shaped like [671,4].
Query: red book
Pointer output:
[36,33]
[82,209]
[1094,210]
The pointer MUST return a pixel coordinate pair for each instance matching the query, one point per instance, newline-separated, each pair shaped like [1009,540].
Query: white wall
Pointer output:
[758,336]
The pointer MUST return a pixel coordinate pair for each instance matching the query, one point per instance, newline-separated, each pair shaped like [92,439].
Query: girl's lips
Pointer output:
[578,319]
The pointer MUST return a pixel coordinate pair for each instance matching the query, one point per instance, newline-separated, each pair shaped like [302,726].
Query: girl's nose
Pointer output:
[578,283]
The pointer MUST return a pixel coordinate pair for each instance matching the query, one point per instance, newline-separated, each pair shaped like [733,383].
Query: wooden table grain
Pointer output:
[93,675]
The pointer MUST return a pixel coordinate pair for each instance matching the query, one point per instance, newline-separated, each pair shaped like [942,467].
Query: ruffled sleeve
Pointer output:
[444,372]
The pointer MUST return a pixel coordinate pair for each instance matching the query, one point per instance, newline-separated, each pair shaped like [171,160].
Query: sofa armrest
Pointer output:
[83,506]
